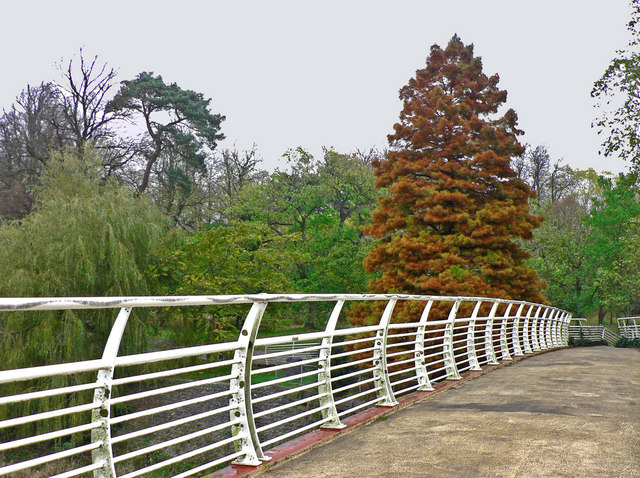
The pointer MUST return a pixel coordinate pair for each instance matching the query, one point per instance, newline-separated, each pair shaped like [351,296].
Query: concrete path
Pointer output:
[569,413]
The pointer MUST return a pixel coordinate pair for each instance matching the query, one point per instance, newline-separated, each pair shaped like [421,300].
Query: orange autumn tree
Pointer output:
[455,210]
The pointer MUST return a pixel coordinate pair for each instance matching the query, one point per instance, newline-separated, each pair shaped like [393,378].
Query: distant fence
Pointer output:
[580,329]
[202,407]
[629,327]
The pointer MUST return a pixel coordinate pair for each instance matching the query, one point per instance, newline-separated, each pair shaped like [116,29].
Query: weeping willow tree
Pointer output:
[87,237]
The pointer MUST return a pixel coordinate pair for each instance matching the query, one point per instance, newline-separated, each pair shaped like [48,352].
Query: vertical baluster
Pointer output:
[488,336]
[526,331]
[381,370]
[101,397]
[504,346]
[240,386]
[535,345]
[557,338]
[540,332]
[422,373]
[471,339]
[324,373]
[566,330]
[515,332]
[550,323]
[447,346]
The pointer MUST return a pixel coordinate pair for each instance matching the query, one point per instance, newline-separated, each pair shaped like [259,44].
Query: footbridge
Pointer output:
[247,406]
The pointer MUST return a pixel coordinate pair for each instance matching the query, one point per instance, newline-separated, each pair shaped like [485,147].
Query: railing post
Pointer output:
[515,332]
[471,339]
[566,329]
[554,328]
[557,337]
[488,336]
[240,386]
[330,413]
[550,323]
[526,335]
[543,320]
[447,344]
[381,370]
[101,397]
[504,345]
[422,373]
[535,345]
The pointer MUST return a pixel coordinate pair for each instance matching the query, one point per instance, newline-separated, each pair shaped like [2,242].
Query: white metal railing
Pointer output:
[629,327]
[579,328]
[202,407]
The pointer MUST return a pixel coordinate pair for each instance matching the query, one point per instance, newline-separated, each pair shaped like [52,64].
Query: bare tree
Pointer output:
[84,99]
[33,127]
[86,90]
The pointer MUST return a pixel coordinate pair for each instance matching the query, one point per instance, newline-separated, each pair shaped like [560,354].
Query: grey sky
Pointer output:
[290,73]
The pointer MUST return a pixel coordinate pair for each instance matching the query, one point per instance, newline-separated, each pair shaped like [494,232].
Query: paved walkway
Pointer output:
[569,413]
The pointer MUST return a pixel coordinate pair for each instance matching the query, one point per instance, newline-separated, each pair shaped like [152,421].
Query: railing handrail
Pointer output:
[13,304]
[369,366]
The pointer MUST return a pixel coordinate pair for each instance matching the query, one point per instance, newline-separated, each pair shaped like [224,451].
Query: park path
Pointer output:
[568,413]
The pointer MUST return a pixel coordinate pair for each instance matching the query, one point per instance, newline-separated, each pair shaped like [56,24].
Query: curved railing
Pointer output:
[579,329]
[629,327]
[197,408]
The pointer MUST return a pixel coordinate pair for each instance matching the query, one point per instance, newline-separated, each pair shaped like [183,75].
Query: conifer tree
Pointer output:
[455,210]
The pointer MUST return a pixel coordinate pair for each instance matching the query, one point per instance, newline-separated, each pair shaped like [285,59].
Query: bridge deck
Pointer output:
[569,413]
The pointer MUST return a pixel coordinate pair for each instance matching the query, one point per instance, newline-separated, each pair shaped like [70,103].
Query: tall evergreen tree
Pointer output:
[455,209]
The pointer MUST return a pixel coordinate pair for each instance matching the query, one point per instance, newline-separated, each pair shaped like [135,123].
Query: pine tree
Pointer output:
[455,210]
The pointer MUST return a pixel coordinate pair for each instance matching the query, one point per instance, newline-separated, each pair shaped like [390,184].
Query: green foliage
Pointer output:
[587,248]
[624,342]
[324,203]
[582,342]
[178,124]
[609,243]
[87,237]
[238,258]
[620,86]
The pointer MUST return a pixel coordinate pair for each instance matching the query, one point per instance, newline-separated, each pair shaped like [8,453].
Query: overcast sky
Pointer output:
[313,74]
